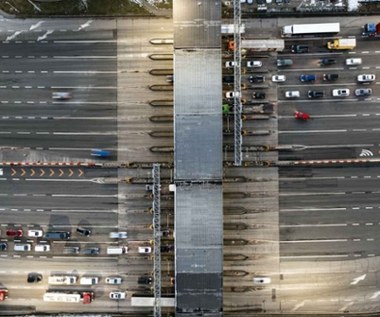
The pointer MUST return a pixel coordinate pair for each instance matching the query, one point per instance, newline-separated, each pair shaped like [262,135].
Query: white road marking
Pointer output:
[312,241]
[85,57]
[314,209]
[315,225]
[313,131]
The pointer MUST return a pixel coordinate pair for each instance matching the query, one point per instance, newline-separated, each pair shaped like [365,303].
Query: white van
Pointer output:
[89,280]
[22,247]
[42,248]
[62,279]
[117,250]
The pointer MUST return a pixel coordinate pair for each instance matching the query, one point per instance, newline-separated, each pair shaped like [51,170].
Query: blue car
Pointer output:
[307,77]
[100,153]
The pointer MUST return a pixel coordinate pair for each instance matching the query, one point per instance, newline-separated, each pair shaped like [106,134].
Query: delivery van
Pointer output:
[89,280]
[117,250]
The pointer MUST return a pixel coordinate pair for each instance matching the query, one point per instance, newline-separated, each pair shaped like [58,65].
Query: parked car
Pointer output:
[167,248]
[363,92]
[119,235]
[365,78]
[148,280]
[34,277]
[327,61]
[261,280]
[284,62]
[42,248]
[3,246]
[92,251]
[254,64]
[330,77]
[14,233]
[312,94]
[229,64]
[35,233]
[258,95]
[341,92]
[232,94]
[145,250]
[228,79]
[353,61]
[117,295]
[299,49]
[292,94]
[278,78]
[58,235]
[84,231]
[114,280]
[256,78]
[308,77]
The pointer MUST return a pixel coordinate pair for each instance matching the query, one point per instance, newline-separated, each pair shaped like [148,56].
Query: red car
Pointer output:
[14,232]
[301,115]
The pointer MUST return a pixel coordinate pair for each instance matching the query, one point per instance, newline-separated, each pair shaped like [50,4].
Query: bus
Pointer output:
[310,29]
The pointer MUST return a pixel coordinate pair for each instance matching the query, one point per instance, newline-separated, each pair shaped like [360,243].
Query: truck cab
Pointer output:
[3,294]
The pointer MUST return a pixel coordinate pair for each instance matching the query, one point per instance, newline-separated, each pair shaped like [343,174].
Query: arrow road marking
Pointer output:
[32,172]
[298,306]
[42,172]
[42,37]
[51,172]
[71,172]
[13,172]
[23,172]
[35,26]
[61,172]
[375,295]
[11,37]
[87,24]
[80,173]
[358,279]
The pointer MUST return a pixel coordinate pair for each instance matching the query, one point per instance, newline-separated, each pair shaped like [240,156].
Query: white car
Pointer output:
[366,78]
[1,172]
[341,92]
[292,94]
[353,61]
[254,64]
[232,94]
[145,249]
[118,235]
[261,280]
[114,280]
[117,295]
[278,78]
[229,64]
[42,248]
[35,233]
[61,95]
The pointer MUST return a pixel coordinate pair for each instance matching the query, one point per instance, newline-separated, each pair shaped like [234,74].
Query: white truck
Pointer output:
[310,29]
[67,297]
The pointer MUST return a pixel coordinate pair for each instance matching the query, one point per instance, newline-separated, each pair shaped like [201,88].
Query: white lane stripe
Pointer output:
[315,225]
[87,41]
[313,209]
[313,131]
[84,72]
[85,57]
[84,196]
[84,133]
[84,87]
[312,194]
[314,256]
[312,241]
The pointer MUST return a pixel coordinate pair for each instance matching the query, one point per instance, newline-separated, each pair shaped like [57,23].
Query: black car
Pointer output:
[34,277]
[92,251]
[299,49]
[148,280]
[84,232]
[327,61]
[3,246]
[256,78]
[228,79]
[315,94]
[167,248]
[258,95]
[330,77]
